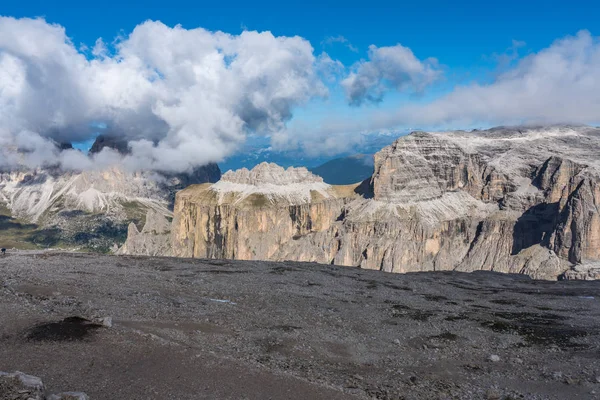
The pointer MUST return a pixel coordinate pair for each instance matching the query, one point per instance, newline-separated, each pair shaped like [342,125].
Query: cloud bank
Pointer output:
[559,84]
[181,97]
[186,97]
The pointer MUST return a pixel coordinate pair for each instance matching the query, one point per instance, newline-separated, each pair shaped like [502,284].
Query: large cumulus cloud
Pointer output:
[181,97]
[185,97]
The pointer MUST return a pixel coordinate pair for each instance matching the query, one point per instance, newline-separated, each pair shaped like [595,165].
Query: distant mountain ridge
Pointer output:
[88,209]
[258,149]
[346,170]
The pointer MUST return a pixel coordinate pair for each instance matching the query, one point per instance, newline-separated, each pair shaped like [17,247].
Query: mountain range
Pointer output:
[48,207]
[346,170]
[258,149]
[91,210]
[518,200]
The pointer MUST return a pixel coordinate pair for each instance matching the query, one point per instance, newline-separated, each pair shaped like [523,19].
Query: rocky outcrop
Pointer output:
[17,385]
[153,240]
[588,272]
[518,200]
[278,206]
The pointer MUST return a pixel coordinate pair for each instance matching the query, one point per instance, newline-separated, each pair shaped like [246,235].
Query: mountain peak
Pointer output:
[117,143]
[271,174]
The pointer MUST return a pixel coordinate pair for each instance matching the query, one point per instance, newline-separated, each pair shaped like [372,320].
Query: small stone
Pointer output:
[598,379]
[104,321]
[493,394]
[518,361]
[69,396]
[571,381]
[494,358]
[557,375]
[29,381]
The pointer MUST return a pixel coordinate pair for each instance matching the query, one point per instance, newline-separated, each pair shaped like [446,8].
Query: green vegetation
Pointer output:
[135,212]
[46,238]
[90,232]
[15,233]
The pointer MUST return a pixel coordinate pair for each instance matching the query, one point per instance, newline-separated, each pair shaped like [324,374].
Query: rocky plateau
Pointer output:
[172,328]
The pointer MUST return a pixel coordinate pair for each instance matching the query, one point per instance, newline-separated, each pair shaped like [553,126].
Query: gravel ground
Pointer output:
[219,329]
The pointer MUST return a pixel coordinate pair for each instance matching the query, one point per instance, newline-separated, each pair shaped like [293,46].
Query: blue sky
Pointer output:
[459,33]
[465,36]
[384,66]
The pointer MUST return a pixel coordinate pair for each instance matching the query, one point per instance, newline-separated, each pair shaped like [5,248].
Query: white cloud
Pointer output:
[185,97]
[329,68]
[182,97]
[99,49]
[559,84]
[393,67]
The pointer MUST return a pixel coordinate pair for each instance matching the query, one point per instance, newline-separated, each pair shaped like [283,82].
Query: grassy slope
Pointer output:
[18,234]
[15,233]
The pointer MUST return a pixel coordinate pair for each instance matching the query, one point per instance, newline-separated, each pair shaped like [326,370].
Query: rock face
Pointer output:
[518,200]
[117,143]
[153,240]
[278,206]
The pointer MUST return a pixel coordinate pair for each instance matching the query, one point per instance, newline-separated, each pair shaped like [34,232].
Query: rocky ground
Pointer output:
[194,329]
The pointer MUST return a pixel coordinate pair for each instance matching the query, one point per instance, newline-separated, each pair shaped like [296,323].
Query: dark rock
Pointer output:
[116,143]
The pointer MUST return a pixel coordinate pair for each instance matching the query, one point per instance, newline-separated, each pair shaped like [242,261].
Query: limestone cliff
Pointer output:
[519,200]
[279,207]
